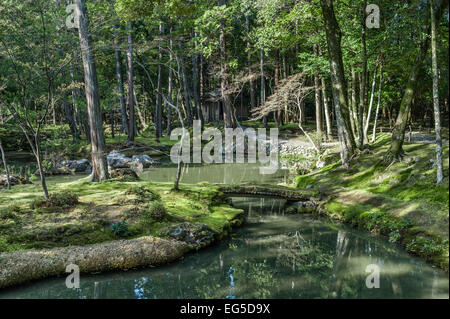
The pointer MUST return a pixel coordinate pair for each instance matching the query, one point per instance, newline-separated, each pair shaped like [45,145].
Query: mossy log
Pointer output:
[273,191]
[23,266]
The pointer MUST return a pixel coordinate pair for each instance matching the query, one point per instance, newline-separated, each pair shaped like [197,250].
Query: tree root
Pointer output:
[391,157]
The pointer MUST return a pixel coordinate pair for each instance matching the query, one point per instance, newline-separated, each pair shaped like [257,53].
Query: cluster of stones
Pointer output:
[115,161]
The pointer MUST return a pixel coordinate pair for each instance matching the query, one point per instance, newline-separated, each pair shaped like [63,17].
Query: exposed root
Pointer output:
[391,158]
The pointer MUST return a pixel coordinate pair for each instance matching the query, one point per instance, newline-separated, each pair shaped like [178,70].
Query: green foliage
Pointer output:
[157,211]
[63,199]
[427,247]
[120,229]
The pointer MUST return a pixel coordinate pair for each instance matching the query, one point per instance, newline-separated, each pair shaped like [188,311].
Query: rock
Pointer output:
[320,164]
[124,173]
[137,166]
[196,234]
[118,160]
[137,162]
[78,166]
[144,159]
[13,179]
[305,207]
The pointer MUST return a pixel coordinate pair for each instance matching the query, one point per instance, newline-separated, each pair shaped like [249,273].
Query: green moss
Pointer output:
[101,205]
[60,200]
[157,211]
[400,201]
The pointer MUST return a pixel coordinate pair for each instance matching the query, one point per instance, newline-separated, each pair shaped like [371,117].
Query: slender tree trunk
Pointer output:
[326,109]
[277,83]
[187,99]
[319,123]
[8,181]
[228,113]
[158,111]
[353,122]
[249,65]
[263,82]
[195,85]
[132,119]
[374,132]
[437,111]
[75,95]
[71,120]
[346,140]
[123,106]
[360,112]
[356,118]
[372,95]
[363,91]
[38,155]
[100,170]
[170,89]
[140,114]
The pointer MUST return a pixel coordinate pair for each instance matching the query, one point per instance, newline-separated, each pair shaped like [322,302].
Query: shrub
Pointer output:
[143,194]
[62,199]
[120,229]
[7,213]
[427,247]
[158,211]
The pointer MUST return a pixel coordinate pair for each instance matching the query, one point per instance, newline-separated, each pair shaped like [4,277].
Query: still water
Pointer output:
[274,255]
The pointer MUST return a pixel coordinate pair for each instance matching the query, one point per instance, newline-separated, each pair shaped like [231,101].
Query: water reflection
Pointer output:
[273,256]
[216,173]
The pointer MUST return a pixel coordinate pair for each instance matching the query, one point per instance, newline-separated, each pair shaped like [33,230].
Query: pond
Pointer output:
[273,255]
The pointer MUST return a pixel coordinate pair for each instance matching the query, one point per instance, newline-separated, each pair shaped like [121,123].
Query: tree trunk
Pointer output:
[360,111]
[372,95]
[277,83]
[249,65]
[398,133]
[71,120]
[326,109]
[195,85]
[263,82]
[99,166]
[132,119]
[346,140]
[353,120]
[356,109]
[378,106]
[123,106]
[158,111]
[319,123]
[170,89]
[363,88]
[8,182]
[187,99]
[38,155]
[437,112]
[228,113]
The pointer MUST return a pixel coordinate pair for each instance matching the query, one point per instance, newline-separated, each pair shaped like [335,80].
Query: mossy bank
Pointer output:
[81,216]
[400,201]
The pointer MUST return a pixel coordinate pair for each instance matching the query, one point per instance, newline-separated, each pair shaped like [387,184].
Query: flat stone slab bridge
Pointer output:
[272,191]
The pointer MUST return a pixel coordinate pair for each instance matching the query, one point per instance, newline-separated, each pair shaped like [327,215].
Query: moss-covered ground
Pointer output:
[400,201]
[106,211]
